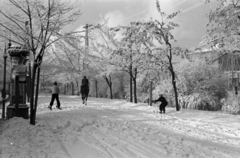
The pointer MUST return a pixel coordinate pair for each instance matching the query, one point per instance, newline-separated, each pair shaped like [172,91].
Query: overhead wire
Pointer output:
[133,15]
[177,4]
[184,11]
[192,7]
[148,10]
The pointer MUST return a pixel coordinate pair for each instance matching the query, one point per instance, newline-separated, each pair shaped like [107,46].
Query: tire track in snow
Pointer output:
[74,128]
[130,141]
[119,145]
[58,140]
[206,133]
[112,144]
[220,150]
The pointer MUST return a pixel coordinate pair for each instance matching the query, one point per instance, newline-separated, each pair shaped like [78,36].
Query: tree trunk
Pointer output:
[131,93]
[109,83]
[175,90]
[36,95]
[96,87]
[64,91]
[111,93]
[32,119]
[150,97]
[78,88]
[173,77]
[29,82]
[72,88]
[121,82]
[135,85]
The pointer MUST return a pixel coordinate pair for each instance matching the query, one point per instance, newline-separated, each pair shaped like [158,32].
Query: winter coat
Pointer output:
[55,89]
[85,82]
[162,99]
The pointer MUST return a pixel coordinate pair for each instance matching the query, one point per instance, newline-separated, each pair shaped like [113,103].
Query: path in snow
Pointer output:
[116,129]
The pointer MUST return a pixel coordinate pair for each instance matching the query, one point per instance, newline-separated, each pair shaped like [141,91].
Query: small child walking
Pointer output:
[55,95]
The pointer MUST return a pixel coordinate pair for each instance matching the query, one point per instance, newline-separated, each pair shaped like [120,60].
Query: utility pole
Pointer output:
[86,43]
[87,26]
[86,37]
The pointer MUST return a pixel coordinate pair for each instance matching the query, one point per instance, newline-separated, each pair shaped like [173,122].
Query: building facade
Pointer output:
[228,61]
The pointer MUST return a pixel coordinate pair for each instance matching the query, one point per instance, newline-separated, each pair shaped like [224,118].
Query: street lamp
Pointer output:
[4,83]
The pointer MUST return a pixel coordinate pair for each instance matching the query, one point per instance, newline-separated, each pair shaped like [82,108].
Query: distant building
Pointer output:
[228,61]
[230,64]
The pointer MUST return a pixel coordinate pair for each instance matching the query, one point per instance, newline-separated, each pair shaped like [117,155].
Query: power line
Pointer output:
[148,10]
[177,4]
[134,15]
[192,7]
[184,11]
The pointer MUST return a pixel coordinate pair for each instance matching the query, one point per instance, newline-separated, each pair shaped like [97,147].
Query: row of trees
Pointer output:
[143,48]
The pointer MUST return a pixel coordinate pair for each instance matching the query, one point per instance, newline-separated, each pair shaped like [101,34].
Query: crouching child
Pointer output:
[163,104]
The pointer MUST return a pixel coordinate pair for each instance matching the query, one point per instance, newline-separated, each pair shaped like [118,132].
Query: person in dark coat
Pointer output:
[85,81]
[163,104]
[84,93]
[84,89]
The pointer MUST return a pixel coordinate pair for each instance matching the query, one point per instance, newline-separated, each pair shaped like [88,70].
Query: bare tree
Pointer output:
[161,32]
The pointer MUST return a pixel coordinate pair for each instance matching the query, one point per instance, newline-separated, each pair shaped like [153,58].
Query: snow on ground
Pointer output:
[118,129]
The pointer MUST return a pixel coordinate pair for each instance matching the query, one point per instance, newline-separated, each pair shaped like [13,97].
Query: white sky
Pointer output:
[121,12]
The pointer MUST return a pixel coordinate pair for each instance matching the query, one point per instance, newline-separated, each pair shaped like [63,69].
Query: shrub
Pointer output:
[201,86]
[231,104]
[200,101]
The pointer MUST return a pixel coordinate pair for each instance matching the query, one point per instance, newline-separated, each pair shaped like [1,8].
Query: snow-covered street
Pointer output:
[118,129]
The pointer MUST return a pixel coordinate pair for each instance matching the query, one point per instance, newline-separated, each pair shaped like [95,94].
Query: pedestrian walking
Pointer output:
[163,104]
[85,90]
[55,95]
[85,81]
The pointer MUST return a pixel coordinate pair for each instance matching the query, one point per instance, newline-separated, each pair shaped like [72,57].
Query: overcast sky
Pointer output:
[121,12]
[192,20]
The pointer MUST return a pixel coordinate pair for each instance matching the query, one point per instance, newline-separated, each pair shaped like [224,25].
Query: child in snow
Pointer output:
[163,104]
